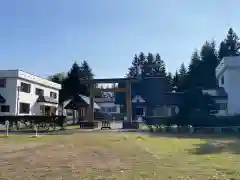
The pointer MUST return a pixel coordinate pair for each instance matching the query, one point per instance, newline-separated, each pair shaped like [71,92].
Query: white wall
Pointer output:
[109,105]
[230,68]
[31,98]
[14,79]
[232,86]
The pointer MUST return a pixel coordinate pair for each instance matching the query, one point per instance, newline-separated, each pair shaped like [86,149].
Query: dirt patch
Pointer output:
[47,161]
[16,150]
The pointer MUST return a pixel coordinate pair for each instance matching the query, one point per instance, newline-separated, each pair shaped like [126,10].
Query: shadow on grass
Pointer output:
[215,147]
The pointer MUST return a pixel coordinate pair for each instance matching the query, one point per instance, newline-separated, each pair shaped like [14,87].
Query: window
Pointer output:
[160,111]
[53,95]
[69,112]
[222,106]
[25,87]
[24,108]
[2,82]
[5,108]
[102,109]
[173,111]
[108,109]
[39,92]
[113,109]
[42,110]
[222,80]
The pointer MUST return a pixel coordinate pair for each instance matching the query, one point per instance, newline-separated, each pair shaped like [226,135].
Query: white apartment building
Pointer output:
[108,105]
[228,76]
[22,93]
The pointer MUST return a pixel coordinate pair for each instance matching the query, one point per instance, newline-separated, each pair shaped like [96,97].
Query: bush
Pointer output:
[195,119]
[56,120]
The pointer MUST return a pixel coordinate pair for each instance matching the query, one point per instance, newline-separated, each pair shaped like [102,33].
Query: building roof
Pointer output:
[152,90]
[17,73]
[2,99]
[79,101]
[217,93]
[47,99]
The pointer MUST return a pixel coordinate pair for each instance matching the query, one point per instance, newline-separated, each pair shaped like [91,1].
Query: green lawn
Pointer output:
[118,156]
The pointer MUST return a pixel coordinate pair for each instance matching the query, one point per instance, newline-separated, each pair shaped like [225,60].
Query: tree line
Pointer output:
[199,73]
[71,81]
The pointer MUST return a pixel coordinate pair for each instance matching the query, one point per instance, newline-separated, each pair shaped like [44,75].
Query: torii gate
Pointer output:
[127,90]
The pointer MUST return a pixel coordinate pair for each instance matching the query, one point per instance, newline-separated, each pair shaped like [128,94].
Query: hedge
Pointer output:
[196,120]
[58,120]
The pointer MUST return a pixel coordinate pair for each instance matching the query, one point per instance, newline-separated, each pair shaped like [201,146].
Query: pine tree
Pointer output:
[57,78]
[134,70]
[182,78]
[162,68]
[142,62]
[230,46]
[209,62]
[149,65]
[194,78]
[86,71]
[170,78]
[176,81]
[182,70]
[195,61]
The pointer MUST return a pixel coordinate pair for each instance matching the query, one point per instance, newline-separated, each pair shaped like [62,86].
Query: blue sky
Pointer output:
[47,36]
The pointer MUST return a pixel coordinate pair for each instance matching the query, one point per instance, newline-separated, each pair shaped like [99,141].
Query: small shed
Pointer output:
[80,105]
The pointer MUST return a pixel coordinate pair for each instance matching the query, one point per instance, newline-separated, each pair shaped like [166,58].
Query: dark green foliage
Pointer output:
[71,83]
[134,70]
[170,79]
[229,46]
[162,67]
[209,63]
[36,120]
[193,79]
[147,66]
[57,78]
[195,100]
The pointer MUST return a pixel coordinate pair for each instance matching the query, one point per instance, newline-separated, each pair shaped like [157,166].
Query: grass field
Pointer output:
[118,156]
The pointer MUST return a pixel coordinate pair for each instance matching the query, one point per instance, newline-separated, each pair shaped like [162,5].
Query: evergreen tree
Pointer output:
[162,68]
[175,81]
[230,46]
[209,63]
[57,78]
[71,86]
[194,78]
[195,61]
[142,61]
[86,71]
[183,70]
[134,70]
[170,78]
[149,65]
[181,83]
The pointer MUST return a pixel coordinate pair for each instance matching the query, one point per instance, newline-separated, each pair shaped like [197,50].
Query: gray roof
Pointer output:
[87,100]
[217,93]
[78,101]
